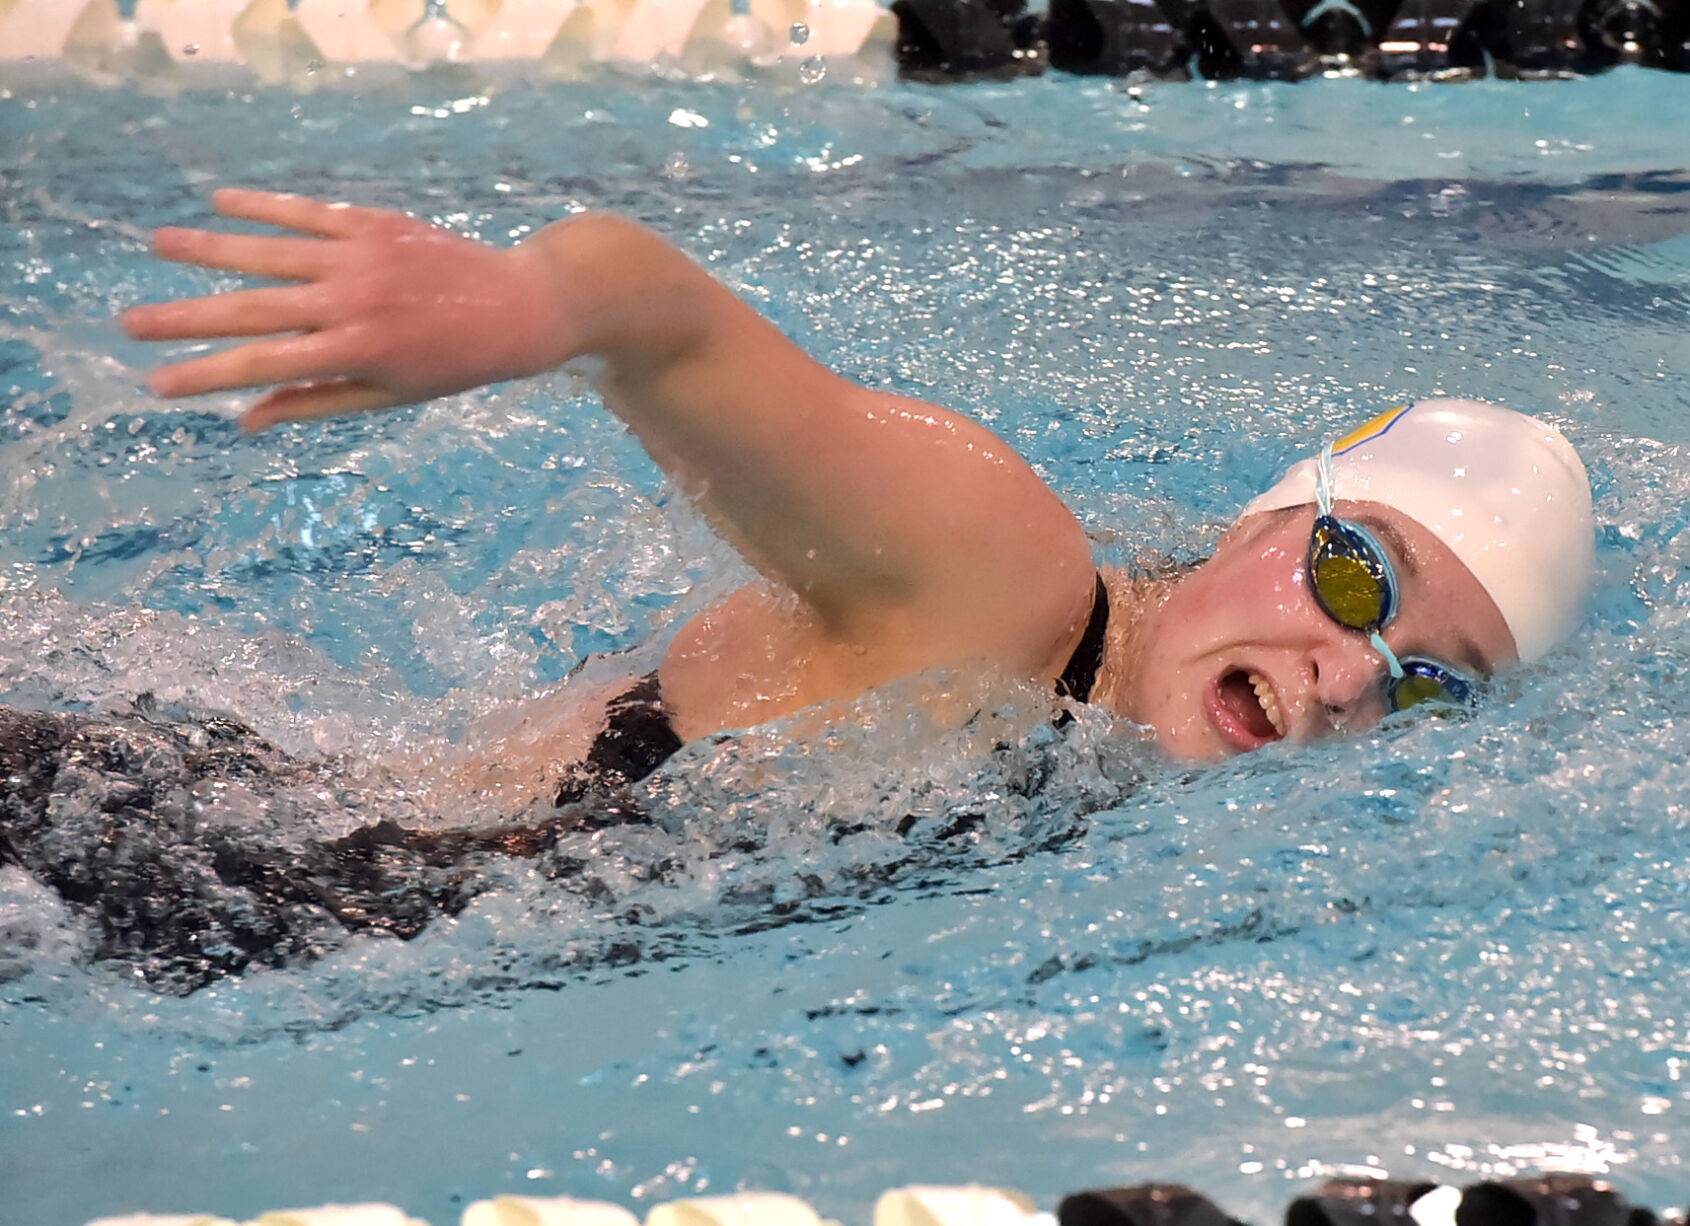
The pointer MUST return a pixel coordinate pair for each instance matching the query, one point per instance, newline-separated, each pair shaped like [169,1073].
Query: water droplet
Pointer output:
[191,49]
[676,167]
[800,33]
[812,70]
[313,67]
[298,112]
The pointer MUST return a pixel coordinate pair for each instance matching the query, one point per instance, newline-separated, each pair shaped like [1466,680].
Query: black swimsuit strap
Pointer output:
[1078,678]
[637,739]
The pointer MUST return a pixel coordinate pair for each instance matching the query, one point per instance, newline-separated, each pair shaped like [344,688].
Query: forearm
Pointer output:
[892,518]
[741,417]
[875,508]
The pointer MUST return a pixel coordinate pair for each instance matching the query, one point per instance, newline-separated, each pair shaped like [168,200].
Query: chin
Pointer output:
[1190,744]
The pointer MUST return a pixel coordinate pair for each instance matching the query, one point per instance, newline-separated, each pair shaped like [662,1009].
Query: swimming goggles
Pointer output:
[1351,577]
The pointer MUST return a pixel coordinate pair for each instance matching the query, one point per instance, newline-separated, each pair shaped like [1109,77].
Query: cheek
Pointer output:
[1285,594]
[1265,591]
[1157,691]
[1274,582]
[1172,696]
[1241,598]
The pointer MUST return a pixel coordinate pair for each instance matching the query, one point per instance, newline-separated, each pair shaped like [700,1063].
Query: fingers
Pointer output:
[313,400]
[252,312]
[292,212]
[285,259]
[291,359]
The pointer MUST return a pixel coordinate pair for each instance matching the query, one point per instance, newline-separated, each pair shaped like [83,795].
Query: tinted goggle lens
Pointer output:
[1349,577]
[1424,681]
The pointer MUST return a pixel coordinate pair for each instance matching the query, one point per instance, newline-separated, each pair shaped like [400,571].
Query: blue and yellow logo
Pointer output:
[1370,431]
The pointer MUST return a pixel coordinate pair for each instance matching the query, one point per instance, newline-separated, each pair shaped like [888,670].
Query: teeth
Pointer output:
[1270,704]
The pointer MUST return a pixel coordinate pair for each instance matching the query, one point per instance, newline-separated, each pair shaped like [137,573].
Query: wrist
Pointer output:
[613,289]
[540,329]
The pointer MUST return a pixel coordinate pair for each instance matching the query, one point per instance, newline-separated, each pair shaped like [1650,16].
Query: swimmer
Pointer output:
[1402,564]
[1408,562]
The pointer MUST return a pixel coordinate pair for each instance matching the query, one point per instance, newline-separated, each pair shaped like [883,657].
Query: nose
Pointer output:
[1347,671]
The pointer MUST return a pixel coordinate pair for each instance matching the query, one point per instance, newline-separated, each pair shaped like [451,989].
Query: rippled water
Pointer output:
[1444,948]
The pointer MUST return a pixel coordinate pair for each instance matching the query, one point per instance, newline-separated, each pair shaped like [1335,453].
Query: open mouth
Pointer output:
[1245,709]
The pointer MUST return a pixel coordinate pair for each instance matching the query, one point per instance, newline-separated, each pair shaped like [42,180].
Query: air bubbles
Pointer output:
[677,166]
[799,34]
[313,67]
[190,49]
[812,70]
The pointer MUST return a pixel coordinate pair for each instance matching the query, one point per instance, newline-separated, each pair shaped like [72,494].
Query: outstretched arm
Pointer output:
[904,527]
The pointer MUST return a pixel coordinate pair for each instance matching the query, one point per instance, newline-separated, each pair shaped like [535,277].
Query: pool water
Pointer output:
[1448,948]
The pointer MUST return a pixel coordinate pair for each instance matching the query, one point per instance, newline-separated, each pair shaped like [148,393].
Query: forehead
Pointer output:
[1444,611]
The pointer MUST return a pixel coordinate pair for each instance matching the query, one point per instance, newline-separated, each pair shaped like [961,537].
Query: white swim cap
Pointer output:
[1506,492]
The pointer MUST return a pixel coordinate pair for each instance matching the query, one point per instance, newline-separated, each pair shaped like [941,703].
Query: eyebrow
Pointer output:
[1467,650]
[1467,653]
[1395,539]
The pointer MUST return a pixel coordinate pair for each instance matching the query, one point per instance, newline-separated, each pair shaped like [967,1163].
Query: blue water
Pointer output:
[1448,948]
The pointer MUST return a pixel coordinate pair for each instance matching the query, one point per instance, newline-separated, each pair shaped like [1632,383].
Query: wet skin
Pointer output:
[1245,623]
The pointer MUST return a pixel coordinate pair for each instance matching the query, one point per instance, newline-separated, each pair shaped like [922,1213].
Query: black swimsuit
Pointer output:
[109,813]
[187,901]
[639,737]
[1080,676]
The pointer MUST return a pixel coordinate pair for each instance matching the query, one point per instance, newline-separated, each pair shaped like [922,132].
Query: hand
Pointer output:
[384,310]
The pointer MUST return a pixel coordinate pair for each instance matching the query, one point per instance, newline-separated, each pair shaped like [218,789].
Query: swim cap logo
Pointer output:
[1370,431]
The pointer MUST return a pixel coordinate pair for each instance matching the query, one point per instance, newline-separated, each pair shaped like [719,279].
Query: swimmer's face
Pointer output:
[1240,655]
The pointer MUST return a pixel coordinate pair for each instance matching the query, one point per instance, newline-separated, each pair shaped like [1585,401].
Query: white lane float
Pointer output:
[840,27]
[276,39]
[546,1211]
[40,29]
[89,33]
[353,33]
[535,29]
[743,1209]
[202,30]
[957,1206]
[323,1215]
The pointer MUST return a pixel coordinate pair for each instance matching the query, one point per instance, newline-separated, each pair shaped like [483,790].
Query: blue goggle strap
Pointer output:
[1323,479]
[1391,661]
